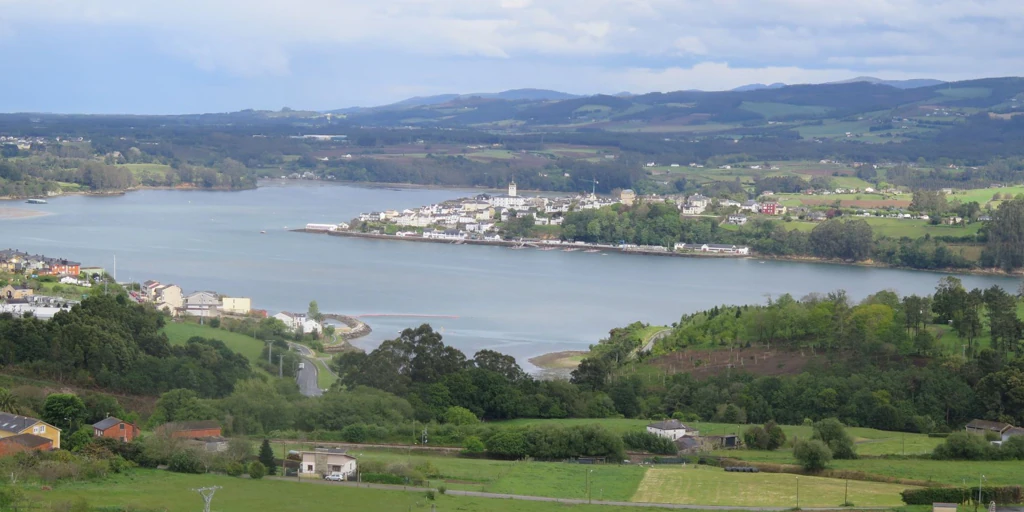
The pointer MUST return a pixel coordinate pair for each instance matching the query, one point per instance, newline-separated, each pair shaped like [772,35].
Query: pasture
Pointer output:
[178,333]
[172,492]
[898,228]
[713,486]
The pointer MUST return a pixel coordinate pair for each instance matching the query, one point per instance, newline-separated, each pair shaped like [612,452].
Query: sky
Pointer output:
[191,56]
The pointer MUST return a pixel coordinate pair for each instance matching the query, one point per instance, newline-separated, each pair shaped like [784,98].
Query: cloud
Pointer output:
[579,45]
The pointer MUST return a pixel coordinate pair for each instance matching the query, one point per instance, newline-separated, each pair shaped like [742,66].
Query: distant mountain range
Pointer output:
[875,105]
[550,95]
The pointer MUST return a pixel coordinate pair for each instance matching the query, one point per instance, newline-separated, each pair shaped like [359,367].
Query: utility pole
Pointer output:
[280,366]
[798,493]
[207,494]
[846,497]
[982,477]
[589,471]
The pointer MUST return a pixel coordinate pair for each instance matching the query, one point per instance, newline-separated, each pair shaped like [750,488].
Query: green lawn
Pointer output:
[983,195]
[551,479]
[172,492]
[179,332]
[324,378]
[898,228]
[713,486]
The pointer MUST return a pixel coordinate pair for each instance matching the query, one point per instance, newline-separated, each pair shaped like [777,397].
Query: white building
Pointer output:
[299,322]
[323,462]
[670,429]
[237,305]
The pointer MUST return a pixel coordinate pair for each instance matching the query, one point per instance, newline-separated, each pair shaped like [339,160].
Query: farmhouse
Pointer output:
[116,429]
[983,427]
[11,292]
[24,443]
[12,425]
[324,461]
[670,429]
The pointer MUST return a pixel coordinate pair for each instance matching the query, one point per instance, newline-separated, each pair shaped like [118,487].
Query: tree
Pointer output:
[756,438]
[266,457]
[9,402]
[776,437]
[315,314]
[64,411]
[460,416]
[812,455]
[832,433]
[1005,246]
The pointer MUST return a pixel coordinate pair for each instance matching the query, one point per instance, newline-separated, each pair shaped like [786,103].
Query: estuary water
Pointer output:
[520,302]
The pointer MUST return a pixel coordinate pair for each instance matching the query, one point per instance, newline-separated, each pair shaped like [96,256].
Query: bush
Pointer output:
[472,445]
[756,438]
[354,433]
[1002,495]
[235,469]
[812,455]
[776,437]
[266,457]
[648,442]
[381,478]
[963,446]
[185,461]
[215,323]
[460,416]
[442,489]
[257,470]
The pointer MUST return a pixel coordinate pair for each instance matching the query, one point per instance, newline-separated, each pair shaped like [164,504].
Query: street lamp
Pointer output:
[979,492]
[588,485]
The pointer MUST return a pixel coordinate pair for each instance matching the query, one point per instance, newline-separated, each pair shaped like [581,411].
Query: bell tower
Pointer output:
[512,188]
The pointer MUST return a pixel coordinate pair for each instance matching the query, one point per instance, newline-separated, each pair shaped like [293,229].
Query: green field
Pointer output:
[324,378]
[713,486]
[983,195]
[771,110]
[179,332]
[551,479]
[898,228]
[172,492]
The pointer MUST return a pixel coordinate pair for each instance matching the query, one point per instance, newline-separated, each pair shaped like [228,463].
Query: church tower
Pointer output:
[512,188]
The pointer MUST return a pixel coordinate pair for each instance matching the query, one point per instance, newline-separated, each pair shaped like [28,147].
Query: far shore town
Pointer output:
[479,219]
[44,286]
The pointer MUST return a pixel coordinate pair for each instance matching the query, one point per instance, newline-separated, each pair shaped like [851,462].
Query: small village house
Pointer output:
[13,424]
[11,292]
[116,429]
[670,429]
[24,443]
[323,462]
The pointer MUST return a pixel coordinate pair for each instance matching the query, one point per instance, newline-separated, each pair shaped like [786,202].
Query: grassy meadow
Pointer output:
[713,486]
[179,332]
[172,492]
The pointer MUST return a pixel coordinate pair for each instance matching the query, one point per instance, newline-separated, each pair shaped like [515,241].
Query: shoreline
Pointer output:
[613,249]
[561,360]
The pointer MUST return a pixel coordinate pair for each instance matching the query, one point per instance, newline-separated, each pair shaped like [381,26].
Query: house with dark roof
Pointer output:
[983,426]
[116,429]
[1012,432]
[13,425]
[24,443]
[670,429]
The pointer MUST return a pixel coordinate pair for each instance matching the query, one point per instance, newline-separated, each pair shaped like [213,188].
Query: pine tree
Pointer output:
[267,457]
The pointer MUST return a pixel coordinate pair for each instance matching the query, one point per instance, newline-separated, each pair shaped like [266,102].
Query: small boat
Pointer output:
[263,232]
[36,201]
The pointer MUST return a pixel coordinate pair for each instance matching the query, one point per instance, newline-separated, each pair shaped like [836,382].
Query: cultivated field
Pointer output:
[713,486]
[145,490]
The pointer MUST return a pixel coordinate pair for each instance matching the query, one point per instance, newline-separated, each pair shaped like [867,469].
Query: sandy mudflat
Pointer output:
[19,213]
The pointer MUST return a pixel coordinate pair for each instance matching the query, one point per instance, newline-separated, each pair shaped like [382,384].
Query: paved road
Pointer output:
[307,377]
[565,500]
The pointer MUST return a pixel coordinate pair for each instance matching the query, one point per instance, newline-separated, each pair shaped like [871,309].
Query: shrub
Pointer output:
[267,457]
[460,416]
[442,489]
[472,445]
[648,442]
[381,478]
[926,496]
[235,469]
[430,495]
[185,461]
[812,455]
[963,446]
[354,433]
[776,437]
[215,323]
[756,438]
[508,443]
[257,470]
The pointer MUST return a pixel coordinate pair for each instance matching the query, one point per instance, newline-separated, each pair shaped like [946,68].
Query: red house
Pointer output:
[116,429]
[24,443]
[192,429]
[770,208]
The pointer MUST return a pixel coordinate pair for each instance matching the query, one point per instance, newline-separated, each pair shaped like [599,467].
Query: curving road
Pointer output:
[307,377]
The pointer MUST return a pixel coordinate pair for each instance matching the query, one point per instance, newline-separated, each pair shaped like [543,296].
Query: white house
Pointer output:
[670,429]
[299,322]
[237,305]
[739,220]
[323,462]
[167,296]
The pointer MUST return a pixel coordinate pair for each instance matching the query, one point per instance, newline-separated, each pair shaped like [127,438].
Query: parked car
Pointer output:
[334,477]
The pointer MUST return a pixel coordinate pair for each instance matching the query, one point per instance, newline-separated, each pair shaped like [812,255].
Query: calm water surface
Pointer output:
[523,303]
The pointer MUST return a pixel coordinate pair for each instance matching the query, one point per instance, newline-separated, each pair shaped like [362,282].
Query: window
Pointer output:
[121,426]
[309,468]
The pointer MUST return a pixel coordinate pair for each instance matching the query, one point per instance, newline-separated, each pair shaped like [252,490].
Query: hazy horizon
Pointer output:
[137,57]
